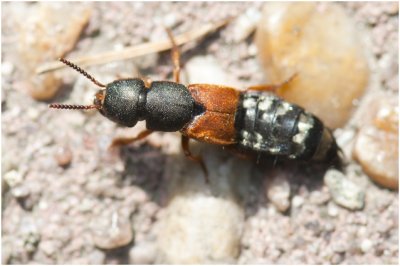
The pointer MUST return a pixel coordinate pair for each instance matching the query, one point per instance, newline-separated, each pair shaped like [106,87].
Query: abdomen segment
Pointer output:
[267,124]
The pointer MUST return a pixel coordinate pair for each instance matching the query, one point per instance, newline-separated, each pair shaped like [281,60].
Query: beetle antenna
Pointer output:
[80,70]
[72,106]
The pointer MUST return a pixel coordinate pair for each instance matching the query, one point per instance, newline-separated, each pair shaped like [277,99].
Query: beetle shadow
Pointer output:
[143,167]
[164,176]
[300,175]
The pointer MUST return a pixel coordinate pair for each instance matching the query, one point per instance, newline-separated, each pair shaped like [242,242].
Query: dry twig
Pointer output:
[135,51]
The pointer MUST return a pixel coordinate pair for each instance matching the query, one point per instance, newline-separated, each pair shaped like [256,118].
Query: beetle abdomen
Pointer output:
[267,124]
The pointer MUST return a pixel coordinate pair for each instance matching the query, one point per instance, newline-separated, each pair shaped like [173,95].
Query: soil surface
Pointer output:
[61,184]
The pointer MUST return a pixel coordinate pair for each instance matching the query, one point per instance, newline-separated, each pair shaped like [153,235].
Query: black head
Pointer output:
[123,101]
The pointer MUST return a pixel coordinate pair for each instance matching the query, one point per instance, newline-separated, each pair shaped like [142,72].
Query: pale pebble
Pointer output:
[48,32]
[298,38]
[13,178]
[245,24]
[343,191]
[206,69]
[297,201]
[204,220]
[277,189]
[366,245]
[376,146]
[143,253]
[111,230]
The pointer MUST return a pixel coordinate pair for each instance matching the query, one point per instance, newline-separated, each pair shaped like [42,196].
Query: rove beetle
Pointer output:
[255,120]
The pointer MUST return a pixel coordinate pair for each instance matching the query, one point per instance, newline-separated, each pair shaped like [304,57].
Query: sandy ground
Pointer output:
[48,210]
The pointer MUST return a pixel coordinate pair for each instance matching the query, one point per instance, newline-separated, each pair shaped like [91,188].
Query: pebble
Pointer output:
[86,205]
[252,50]
[143,253]
[49,247]
[97,257]
[315,227]
[7,68]
[47,31]
[20,191]
[30,234]
[170,21]
[42,87]
[297,201]
[342,242]
[245,24]
[63,156]
[111,230]
[206,69]
[329,227]
[366,245]
[206,228]
[277,190]
[33,113]
[299,38]
[377,145]
[345,140]
[337,258]
[386,226]
[136,195]
[13,178]
[333,210]
[30,247]
[343,191]
[205,221]
[319,197]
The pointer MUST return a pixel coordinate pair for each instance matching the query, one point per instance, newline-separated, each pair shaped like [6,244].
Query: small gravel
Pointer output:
[51,196]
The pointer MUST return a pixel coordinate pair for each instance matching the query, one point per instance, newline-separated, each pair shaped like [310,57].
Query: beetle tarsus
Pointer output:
[121,141]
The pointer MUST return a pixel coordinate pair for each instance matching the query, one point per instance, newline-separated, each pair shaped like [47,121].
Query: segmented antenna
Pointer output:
[80,70]
[72,106]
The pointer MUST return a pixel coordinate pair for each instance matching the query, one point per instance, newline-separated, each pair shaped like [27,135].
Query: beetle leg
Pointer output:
[124,141]
[272,87]
[197,159]
[175,56]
